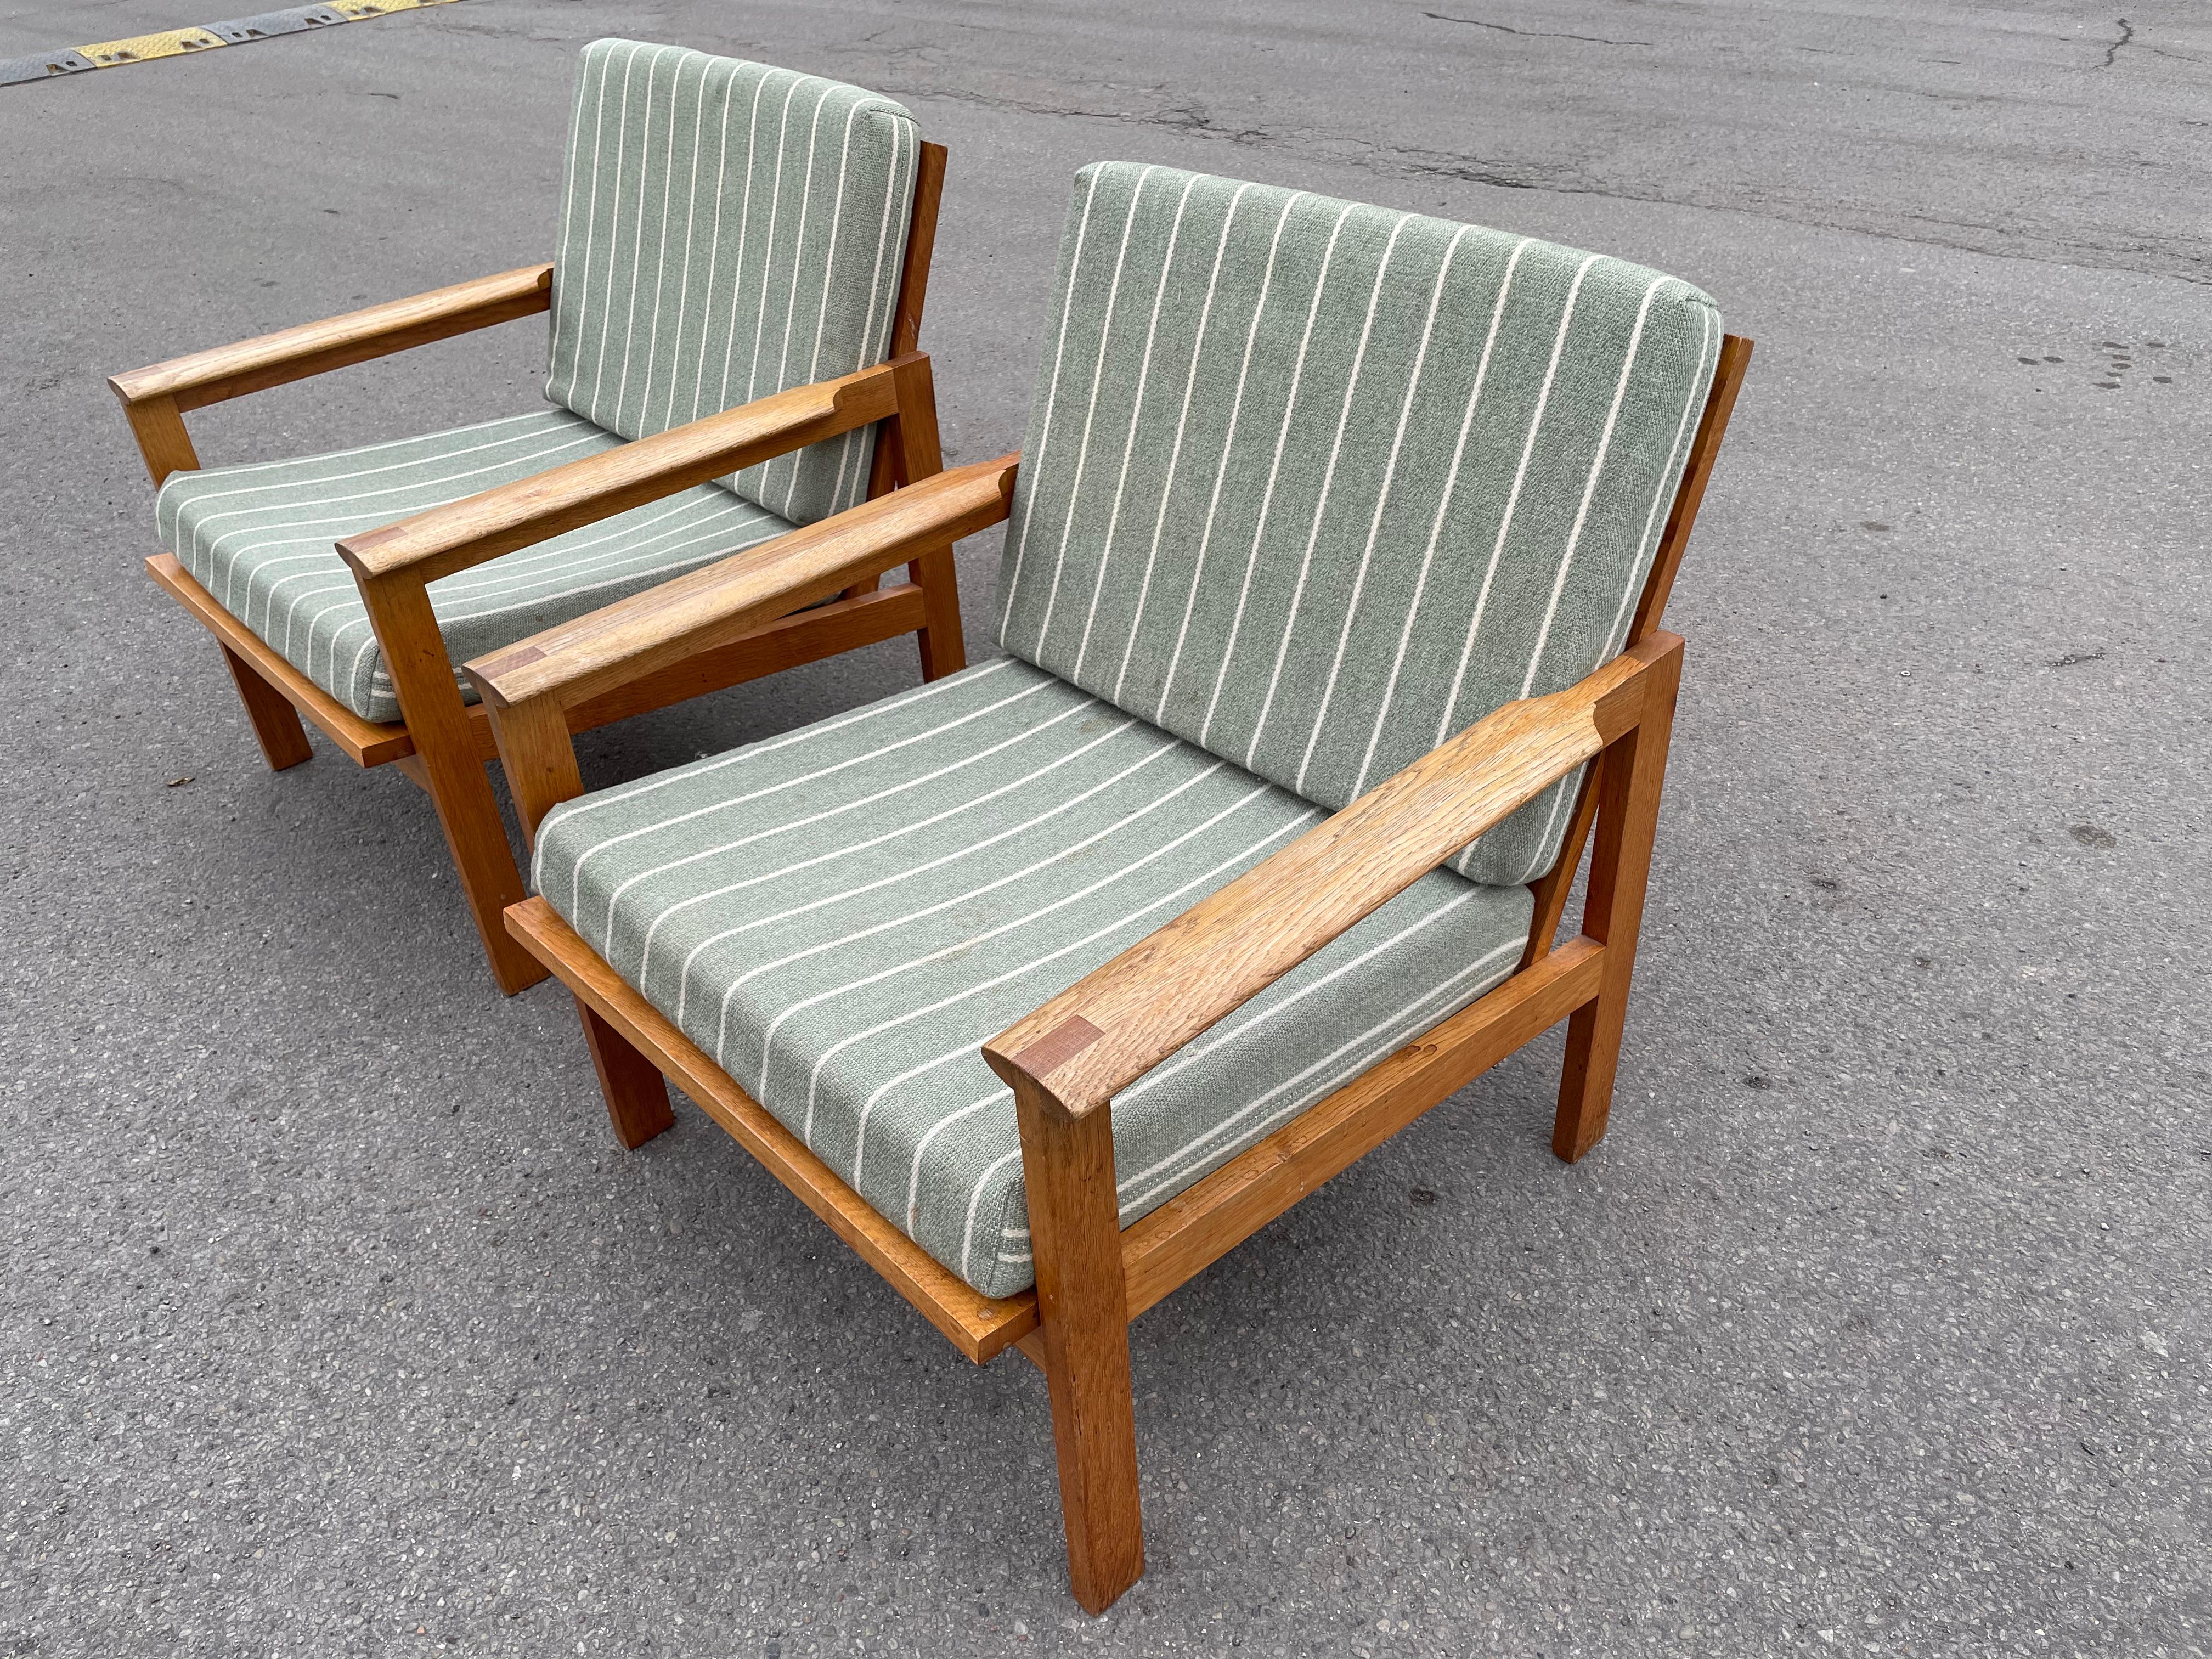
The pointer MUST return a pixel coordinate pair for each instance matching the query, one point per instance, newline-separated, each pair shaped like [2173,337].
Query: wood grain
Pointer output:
[575,662]
[293,353]
[979,1326]
[466,532]
[806,636]
[1068,1172]
[1162,992]
[1204,1223]
[1550,891]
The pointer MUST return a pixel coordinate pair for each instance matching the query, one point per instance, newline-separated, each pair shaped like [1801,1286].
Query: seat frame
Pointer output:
[442,743]
[1065,1060]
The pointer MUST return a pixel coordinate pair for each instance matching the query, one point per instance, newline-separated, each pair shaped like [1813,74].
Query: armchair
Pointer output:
[342,588]
[1048,983]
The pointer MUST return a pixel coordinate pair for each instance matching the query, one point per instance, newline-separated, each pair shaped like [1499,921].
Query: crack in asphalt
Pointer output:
[2002,241]
[1541,34]
[2128,39]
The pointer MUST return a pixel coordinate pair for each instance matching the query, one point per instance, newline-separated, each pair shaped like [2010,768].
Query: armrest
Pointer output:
[1111,1027]
[483,526]
[293,353]
[576,661]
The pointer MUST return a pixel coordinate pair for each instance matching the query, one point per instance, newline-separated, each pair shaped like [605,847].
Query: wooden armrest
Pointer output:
[1111,1027]
[483,526]
[576,661]
[293,353]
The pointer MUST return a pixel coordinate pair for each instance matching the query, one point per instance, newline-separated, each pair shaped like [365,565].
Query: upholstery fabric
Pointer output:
[1315,485]
[727,230]
[261,538]
[841,915]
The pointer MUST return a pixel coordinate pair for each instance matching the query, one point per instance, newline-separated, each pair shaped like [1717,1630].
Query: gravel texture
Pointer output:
[334,1323]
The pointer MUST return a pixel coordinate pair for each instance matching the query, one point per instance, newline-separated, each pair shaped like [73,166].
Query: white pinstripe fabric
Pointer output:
[841,915]
[780,263]
[261,538]
[1404,470]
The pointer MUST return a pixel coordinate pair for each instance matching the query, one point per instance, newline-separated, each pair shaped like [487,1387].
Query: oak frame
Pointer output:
[1065,1059]
[442,743]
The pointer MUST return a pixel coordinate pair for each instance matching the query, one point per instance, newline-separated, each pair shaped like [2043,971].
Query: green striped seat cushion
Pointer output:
[727,230]
[1315,485]
[261,538]
[841,915]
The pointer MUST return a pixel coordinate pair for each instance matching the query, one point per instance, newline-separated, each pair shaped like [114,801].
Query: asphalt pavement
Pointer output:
[333,1322]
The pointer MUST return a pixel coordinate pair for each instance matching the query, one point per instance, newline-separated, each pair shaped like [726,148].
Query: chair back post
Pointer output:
[912,431]
[888,472]
[1629,775]
[1550,889]
[920,248]
[1690,494]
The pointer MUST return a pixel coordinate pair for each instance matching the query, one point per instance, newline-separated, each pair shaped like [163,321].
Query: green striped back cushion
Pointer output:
[728,230]
[1315,485]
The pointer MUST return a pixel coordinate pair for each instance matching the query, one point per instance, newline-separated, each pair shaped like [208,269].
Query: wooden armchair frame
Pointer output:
[1067,1060]
[442,743]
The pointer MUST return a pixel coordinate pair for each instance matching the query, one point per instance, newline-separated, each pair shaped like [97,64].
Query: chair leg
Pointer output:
[469,814]
[276,724]
[1586,1085]
[1067,1167]
[636,1092]
[446,742]
[1630,775]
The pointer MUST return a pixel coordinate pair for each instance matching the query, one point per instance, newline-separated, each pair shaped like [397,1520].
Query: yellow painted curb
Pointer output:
[139,47]
[212,37]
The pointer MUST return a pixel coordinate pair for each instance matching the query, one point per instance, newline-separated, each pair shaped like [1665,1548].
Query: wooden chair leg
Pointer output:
[468,811]
[637,1094]
[1630,774]
[1067,1167]
[445,741]
[276,724]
